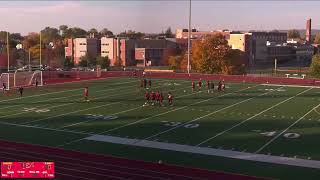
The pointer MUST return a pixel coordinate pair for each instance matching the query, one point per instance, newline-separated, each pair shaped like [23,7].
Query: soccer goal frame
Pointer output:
[29,78]
[5,78]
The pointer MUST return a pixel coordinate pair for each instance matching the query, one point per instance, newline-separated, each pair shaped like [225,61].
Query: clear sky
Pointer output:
[155,16]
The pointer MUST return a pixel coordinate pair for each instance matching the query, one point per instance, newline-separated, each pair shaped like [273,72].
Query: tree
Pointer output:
[88,61]
[63,29]
[132,34]
[175,62]
[315,66]
[49,34]
[104,62]
[75,32]
[106,33]
[94,32]
[168,33]
[317,38]
[293,34]
[214,55]
[68,63]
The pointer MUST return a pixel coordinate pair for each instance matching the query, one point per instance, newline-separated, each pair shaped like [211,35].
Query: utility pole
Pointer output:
[40,61]
[189,34]
[8,51]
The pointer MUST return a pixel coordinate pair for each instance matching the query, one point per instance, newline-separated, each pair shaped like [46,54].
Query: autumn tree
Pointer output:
[317,38]
[293,34]
[214,55]
[315,66]
[106,33]
[104,62]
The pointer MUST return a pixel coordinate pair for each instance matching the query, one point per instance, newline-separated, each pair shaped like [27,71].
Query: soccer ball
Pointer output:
[184,91]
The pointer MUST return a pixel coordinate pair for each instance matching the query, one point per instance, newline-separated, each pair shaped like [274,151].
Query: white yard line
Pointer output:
[51,107]
[277,136]
[242,122]
[43,94]
[50,99]
[50,117]
[43,128]
[74,124]
[144,119]
[209,114]
[208,151]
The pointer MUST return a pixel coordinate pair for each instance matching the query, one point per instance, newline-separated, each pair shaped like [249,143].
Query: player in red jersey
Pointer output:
[153,97]
[200,84]
[147,97]
[158,97]
[170,99]
[193,86]
[86,93]
[161,99]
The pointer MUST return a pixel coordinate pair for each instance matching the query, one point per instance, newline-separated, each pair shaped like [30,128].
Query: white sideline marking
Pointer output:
[274,138]
[284,85]
[144,119]
[236,125]
[208,151]
[209,114]
[43,128]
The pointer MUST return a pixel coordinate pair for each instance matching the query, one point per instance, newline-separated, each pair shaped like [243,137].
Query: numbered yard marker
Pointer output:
[269,134]
[99,116]
[174,124]
[37,110]
[191,125]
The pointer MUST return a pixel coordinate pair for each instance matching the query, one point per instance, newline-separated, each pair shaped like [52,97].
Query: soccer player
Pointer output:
[208,86]
[147,97]
[158,97]
[212,86]
[200,84]
[219,86]
[223,86]
[153,97]
[193,86]
[86,94]
[37,83]
[144,83]
[149,83]
[170,99]
[4,87]
[161,99]
[20,91]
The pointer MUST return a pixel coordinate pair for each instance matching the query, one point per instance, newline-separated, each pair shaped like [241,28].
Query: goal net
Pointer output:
[5,80]
[24,78]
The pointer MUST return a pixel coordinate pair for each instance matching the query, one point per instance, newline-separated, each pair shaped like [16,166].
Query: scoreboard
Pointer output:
[27,170]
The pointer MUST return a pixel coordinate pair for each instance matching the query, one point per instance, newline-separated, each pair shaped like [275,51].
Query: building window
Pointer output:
[83,43]
[105,51]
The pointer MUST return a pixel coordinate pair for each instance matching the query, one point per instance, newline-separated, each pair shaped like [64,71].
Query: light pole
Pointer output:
[189,41]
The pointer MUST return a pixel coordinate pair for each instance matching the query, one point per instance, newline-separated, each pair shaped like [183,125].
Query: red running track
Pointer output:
[75,165]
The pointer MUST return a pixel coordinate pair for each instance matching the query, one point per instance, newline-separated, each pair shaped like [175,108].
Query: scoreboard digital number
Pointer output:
[27,170]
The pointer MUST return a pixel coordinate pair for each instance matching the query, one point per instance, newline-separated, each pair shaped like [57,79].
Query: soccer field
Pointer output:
[247,129]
